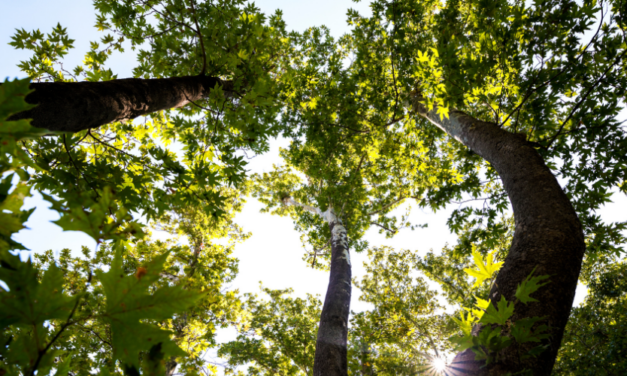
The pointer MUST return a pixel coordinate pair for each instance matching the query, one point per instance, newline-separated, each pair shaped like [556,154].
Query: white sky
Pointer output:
[273,254]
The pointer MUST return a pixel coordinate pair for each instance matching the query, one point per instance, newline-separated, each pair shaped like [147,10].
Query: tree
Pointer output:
[125,298]
[193,48]
[437,60]
[139,162]
[594,340]
[429,101]
[399,336]
[407,330]
[278,337]
[331,350]
[339,181]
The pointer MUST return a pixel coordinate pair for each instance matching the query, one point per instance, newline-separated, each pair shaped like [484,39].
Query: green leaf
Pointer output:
[491,339]
[63,368]
[485,266]
[498,316]
[522,332]
[129,301]
[529,286]
[102,219]
[465,324]
[12,101]
[29,302]
[12,218]
[463,342]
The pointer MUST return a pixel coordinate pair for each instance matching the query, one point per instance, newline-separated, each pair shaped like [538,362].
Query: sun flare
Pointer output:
[439,364]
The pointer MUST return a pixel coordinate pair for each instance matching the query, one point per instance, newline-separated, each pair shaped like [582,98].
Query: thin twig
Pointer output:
[110,146]
[77,169]
[96,334]
[531,91]
[386,206]
[202,44]
[584,97]
[383,227]
[56,336]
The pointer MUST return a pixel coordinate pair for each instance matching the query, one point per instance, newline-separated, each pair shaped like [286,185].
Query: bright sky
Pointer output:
[273,254]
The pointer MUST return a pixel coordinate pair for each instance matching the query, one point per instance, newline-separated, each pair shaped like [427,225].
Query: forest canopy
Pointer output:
[510,112]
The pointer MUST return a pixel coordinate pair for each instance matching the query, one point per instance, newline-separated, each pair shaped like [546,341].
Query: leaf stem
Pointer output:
[202,44]
[56,336]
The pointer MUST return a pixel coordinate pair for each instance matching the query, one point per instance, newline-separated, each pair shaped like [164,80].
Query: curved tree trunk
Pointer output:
[548,235]
[331,349]
[76,106]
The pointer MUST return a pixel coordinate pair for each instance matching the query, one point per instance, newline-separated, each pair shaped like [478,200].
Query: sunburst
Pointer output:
[439,364]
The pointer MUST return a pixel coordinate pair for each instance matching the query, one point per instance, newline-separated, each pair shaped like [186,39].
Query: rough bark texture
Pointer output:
[76,106]
[548,235]
[331,353]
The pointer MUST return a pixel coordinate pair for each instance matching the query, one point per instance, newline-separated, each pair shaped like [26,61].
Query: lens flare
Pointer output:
[439,364]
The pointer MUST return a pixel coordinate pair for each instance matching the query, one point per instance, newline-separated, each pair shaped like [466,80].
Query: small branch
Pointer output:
[312,209]
[77,169]
[531,91]
[42,352]
[316,252]
[202,44]
[328,215]
[391,122]
[173,19]
[350,129]
[96,334]
[109,146]
[360,162]
[585,96]
[383,227]
[392,57]
[470,200]
[580,128]
[386,206]
[201,107]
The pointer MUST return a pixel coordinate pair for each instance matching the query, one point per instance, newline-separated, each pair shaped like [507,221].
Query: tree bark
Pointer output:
[77,106]
[548,236]
[331,349]
[331,358]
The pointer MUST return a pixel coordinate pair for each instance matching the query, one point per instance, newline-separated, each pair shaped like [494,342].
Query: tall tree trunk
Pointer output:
[76,106]
[331,352]
[331,344]
[548,235]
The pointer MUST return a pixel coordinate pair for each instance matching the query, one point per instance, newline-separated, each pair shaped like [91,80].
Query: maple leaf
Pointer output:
[130,301]
[529,286]
[485,266]
[498,316]
[522,332]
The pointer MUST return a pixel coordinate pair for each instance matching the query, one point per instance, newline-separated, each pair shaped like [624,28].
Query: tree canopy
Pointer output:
[512,108]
